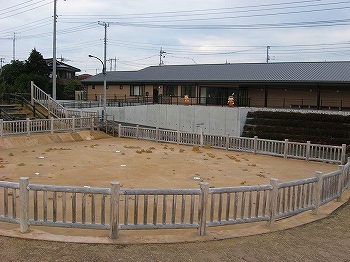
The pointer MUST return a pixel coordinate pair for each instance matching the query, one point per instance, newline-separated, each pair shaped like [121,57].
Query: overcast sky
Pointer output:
[188,31]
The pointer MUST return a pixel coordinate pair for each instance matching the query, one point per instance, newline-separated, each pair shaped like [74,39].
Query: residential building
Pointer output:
[313,85]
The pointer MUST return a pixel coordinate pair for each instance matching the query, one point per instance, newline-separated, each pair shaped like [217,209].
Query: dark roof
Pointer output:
[61,65]
[336,72]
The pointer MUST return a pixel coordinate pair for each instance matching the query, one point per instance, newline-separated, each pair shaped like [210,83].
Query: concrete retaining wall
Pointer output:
[209,119]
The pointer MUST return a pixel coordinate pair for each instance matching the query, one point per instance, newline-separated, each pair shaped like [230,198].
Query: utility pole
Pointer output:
[1,61]
[14,47]
[104,67]
[161,56]
[54,52]
[267,54]
[111,60]
[62,59]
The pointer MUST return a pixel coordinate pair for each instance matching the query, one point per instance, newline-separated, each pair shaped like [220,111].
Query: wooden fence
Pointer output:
[117,209]
[52,125]
[286,149]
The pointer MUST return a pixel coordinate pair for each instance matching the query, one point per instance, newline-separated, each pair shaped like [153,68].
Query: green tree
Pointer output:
[23,83]
[35,64]
[69,89]
[10,72]
[16,77]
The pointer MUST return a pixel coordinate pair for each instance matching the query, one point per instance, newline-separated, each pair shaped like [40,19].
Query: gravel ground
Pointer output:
[327,239]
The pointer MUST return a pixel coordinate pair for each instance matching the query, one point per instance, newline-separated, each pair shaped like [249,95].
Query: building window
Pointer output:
[137,90]
[188,90]
[93,86]
[170,90]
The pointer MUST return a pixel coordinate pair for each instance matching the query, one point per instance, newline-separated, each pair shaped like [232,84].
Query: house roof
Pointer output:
[327,72]
[61,65]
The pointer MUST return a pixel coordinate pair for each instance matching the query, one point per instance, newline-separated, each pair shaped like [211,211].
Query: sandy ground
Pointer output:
[143,164]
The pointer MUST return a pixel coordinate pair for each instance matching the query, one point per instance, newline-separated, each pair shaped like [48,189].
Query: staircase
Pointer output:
[54,108]
[19,108]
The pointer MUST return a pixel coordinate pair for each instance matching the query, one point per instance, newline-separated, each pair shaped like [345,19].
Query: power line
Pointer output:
[193,14]
[2,16]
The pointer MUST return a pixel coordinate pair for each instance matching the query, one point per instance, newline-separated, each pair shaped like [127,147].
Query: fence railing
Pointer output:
[52,125]
[53,107]
[286,149]
[117,209]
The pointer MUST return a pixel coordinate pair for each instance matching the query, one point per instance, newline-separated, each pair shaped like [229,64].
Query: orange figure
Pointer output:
[187,100]
[231,101]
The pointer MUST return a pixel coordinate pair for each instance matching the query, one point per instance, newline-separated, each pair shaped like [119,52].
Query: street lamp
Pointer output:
[104,86]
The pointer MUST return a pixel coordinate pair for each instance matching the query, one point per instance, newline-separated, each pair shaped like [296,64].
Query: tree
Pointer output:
[10,72]
[69,89]
[16,77]
[35,64]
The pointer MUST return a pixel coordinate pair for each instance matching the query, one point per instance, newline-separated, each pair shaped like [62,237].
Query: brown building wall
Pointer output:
[280,96]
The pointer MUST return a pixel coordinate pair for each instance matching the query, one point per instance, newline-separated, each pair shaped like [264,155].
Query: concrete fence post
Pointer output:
[119,130]
[317,193]
[286,141]
[114,223]
[32,93]
[49,103]
[73,123]
[106,123]
[99,121]
[137,131]
[113,125]
[178,137]
[51,125]
[203,204]
[157,134]
[24,204]
[201,138]
[1,128]
[273,202]
[340,182]
[307,153]
[227,142]
[343,154]
[28,126]
[255,149]
[91,124]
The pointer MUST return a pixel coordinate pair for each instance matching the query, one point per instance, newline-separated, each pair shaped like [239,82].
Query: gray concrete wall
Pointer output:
[209,119]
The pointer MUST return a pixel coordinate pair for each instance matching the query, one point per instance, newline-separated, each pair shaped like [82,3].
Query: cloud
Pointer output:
[158,26]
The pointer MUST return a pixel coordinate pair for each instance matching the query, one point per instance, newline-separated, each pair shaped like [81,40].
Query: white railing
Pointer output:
[117,209]
[54,107]
[286,149]
[51,125]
